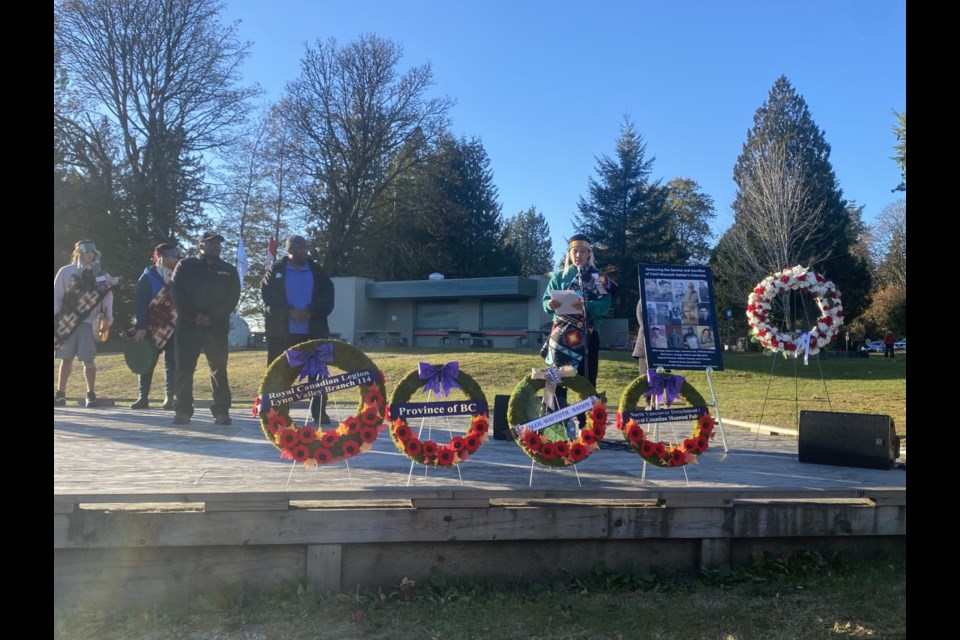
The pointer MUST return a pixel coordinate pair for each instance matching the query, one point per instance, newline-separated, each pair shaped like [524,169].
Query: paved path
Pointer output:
[120,450]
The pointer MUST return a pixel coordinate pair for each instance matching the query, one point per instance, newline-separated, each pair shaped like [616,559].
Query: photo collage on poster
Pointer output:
[679,317]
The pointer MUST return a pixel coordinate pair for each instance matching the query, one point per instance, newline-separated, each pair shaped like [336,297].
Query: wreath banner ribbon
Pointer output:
[314,364]
[660,386]
[439,379]
[551,377]
[803,343]
[558,416]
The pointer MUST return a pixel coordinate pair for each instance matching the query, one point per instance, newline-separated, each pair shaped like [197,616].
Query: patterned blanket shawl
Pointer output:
[78,303]
[162,317]
[566,344]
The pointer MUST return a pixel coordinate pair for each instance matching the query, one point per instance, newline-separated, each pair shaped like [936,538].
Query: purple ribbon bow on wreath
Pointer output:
[664,385]
[314,364]
[442,378]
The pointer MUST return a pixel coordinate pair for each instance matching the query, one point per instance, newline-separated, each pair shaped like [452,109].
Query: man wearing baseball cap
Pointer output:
[206,290]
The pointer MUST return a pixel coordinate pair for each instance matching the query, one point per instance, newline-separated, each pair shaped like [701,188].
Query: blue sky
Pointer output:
[545,85]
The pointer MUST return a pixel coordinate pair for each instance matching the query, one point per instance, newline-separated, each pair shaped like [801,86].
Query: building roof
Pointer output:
[506,286]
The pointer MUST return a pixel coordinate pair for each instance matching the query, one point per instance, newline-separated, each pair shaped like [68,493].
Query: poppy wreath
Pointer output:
[662,454]
[303,443]
[430,452]
[797,278]
[523,406]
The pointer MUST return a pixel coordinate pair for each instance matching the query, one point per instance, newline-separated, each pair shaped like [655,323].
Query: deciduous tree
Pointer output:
[358,125]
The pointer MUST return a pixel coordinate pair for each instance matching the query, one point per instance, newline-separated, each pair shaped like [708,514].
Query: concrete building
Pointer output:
[501,312]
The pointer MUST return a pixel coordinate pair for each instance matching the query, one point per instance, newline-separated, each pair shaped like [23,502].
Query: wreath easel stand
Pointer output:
[784,342]
[426,468]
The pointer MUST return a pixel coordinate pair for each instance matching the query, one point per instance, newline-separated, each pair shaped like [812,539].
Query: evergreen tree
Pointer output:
[528,234]
[789,208]
[458,230]
[690,212]
[625,217]
[900,130]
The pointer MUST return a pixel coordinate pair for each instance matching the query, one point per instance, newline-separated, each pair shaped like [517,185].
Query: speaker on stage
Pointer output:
[501,431]
[848,439]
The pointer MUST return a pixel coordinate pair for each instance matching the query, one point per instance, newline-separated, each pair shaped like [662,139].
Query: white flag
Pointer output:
[242,263]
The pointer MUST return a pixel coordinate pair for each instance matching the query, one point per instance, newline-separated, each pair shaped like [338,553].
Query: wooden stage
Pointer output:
[147,511]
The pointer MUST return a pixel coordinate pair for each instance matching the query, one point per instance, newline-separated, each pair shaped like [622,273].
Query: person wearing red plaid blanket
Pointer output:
[156,319]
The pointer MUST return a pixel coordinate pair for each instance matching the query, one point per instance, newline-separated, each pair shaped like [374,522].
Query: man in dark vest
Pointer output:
[297,298]
[206,290]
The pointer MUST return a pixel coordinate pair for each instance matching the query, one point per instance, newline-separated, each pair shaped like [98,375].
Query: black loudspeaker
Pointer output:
[848,439]
[501,431]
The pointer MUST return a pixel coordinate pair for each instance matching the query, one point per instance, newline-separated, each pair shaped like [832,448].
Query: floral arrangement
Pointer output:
[662,454]
[430,452]
[825,329]
[547,447]
[349,438]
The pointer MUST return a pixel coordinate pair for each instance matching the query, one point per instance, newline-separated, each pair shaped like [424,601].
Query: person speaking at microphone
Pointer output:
[574,337]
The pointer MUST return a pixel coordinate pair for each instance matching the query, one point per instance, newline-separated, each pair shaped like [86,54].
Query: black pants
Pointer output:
[888,351]
[169,370]
[276,345]
[191,340]
[588,369]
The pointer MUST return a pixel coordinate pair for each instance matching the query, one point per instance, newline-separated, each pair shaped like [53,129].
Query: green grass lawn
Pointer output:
[751,384]
[793,597]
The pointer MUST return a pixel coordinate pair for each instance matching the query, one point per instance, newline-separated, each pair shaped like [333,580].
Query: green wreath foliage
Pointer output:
[662,454]
[353,435]
[560,451]
[430,453]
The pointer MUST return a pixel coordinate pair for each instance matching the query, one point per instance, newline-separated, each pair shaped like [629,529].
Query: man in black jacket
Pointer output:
[206,290]
[297,298]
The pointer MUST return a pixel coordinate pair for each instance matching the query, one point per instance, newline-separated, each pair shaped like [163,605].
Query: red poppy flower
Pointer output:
[288,438]
[322,455]
[276,422]
[256,406]
[660,450]
[373,397]
[562,449]
[827,320]
[401,431]
[691,444]
[350,448]
[462,455]
[471,443]
[703,444]
[368,434]
[300,452]
[480,425]
[634,432]
[600,431]
[413,447]
[599,414]
[351,424]
[370,417]
[445,457]
[647,448]
[307,434]
[430,449]
[547,451]
[677,456]
[619,421]
[588,436]
[531,440]
[577,452]
[784,279]
[330,438]
[457,443]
